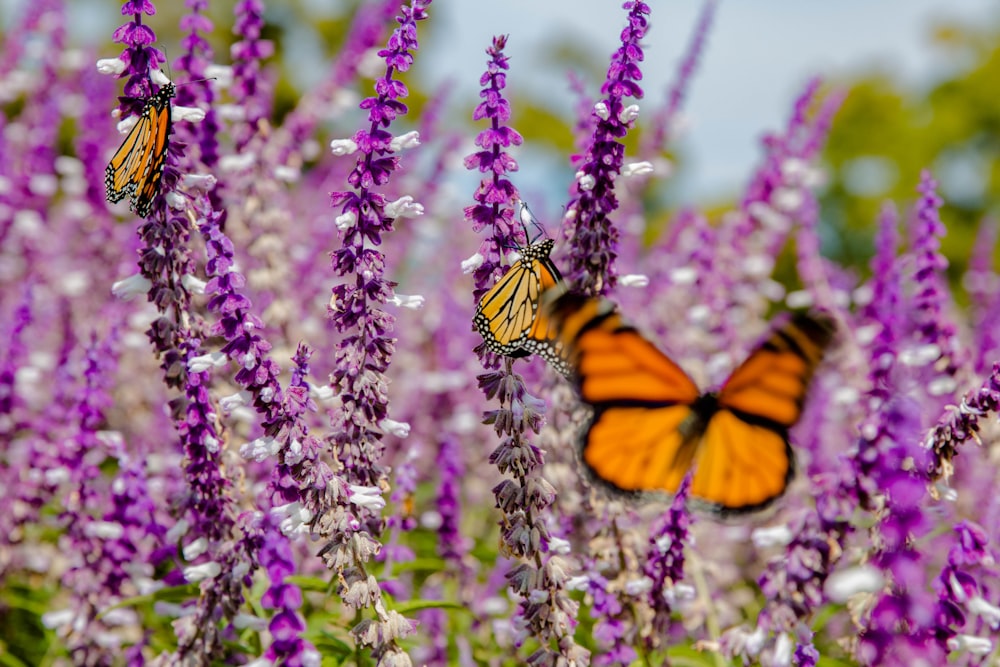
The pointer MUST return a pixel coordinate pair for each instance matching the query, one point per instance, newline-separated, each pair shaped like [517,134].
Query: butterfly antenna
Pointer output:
[527,218]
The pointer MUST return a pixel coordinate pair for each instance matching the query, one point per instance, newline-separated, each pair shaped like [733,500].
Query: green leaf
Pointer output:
[418,605]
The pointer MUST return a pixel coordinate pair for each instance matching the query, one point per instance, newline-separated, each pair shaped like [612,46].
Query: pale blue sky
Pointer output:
[759,55]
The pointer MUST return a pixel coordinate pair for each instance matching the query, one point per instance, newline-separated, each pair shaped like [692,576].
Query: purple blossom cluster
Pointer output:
[256,426]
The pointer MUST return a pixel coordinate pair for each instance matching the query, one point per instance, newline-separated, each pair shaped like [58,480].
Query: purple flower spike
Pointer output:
[13,356]
[594,237]
[138,56]
[907,605]
[197,92]
[935,330]
[885,311]
[960,592]
[545,610]
[665,561]
[496,193]
[364,353]
[248,88]
[451,545]
[961,424]
[286,625]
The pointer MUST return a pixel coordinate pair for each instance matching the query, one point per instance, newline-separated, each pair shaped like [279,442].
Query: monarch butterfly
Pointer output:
[651,424]
[507,316]
[135,169]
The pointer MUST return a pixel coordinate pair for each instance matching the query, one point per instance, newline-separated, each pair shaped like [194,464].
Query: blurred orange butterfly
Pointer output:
[136,167]
[651,424]
[508,316]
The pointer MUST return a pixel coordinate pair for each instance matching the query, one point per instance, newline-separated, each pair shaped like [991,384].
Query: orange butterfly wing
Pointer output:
[744,461]
[651,425]
[508,316]
[136,168]
[640,437]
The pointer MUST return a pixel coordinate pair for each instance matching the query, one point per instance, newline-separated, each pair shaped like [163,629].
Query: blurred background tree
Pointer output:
[885,134]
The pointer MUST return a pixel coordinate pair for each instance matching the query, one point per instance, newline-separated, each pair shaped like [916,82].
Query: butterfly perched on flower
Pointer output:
[508,316]
[136,167]
[651,424]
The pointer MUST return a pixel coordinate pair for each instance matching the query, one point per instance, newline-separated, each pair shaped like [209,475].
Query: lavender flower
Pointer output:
[286,625]
[594,237]
[959,590]
[961,424]
[908,605]
[498,190]
[366,349]
[139,57]
[247,54]
[450,542]
[665,561]
[14,355]
[545,610]
[934,329]
[196,61]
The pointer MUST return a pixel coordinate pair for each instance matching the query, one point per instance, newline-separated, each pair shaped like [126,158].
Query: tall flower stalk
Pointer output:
[594,236]
[545,611]
[364,353]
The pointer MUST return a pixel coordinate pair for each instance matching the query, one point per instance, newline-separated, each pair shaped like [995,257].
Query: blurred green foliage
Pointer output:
[885,134]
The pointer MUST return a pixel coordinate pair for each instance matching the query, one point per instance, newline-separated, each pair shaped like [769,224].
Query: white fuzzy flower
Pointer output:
[639,586]
[782,651]
[471,264]
[320,393]
[341,147]
[398,429]
[158,77]
[106,530]
[233,164]
[404,207]
[369,497]
[192,284]
[345,221]
[799,299]
[629,114]
[190,114]
[771,536]
[204,362]
[260,449]
[634,280]
[201,572]
[286,174]
[842,584]
[195,549]
[637,168]
[199,182]
[233,401]
[413,301]
[404,141]
[127,289]
[111,66]
[558,545]
[601,110]
[971,644]
[221,75]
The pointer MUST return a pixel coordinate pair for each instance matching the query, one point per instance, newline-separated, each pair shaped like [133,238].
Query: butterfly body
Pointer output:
[136,168]
[651,423]
[508,316]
